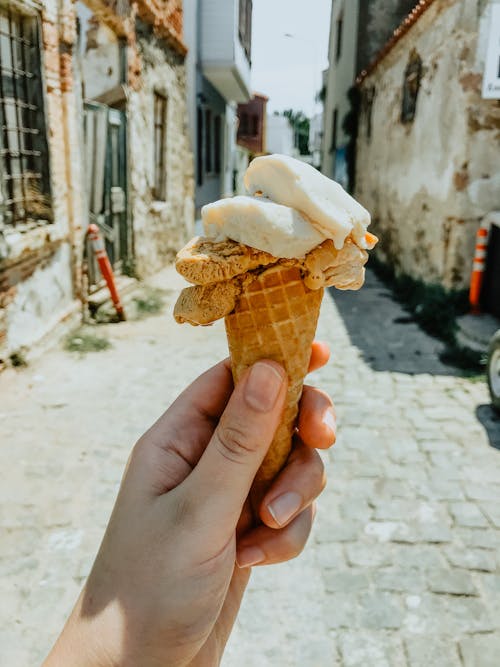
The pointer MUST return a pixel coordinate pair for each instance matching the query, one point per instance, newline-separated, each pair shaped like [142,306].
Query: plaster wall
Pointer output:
[429,183]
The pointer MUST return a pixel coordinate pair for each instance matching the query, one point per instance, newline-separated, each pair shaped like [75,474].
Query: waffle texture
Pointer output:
[275,318]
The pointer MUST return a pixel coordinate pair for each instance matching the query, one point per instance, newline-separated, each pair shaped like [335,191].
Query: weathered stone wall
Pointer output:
[429,183]
[160,228]
[39,269]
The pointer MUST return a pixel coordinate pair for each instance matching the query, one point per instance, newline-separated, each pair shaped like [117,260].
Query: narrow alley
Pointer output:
[402,567]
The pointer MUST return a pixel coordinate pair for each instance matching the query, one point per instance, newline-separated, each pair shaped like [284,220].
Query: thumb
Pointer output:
[225,472]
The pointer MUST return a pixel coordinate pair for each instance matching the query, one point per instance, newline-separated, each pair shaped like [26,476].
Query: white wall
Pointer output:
[279,135]
[340,78]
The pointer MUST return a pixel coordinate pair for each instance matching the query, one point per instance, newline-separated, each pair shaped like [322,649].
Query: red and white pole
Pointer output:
[105,268]
[478,267]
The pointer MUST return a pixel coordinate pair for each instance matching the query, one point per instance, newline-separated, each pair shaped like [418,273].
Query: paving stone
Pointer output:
[353,580]
[477,491]
[468,615]
[425,614]
[355,508]
[341,610]
[432,652]
[360,649]
[367,555]
[471,559]
[419,556]
[492,511]
[400,579]
[480,650]
[477,537]
[382,538]
[453,582]
[381,611]
[439,489]
[468,515]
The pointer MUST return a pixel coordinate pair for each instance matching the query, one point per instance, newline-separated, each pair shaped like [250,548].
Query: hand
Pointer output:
[164,589]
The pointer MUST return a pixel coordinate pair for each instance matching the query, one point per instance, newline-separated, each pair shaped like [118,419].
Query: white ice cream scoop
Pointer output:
[262,224]
[330,209]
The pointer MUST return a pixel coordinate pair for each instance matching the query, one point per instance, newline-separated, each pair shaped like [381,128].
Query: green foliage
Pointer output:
[18,360]
[300,123]
[150,303]
[84,341]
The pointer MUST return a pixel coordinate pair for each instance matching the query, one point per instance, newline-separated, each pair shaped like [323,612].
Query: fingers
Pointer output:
[317,422]
[264,545]
[295,488]
[320,353]
[225,472]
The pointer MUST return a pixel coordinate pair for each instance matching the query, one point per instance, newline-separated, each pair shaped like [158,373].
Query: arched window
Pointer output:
[411,85]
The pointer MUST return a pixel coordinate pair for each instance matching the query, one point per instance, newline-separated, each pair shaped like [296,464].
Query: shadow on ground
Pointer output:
[386,334]
[491,422]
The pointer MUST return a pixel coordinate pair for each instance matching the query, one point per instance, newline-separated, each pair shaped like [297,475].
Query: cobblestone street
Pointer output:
[402,568]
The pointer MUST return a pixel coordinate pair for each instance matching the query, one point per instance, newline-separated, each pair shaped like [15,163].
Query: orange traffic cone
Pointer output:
[478,266]
[105,267]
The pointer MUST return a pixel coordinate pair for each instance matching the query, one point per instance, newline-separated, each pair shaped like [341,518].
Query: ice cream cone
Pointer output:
[275,318]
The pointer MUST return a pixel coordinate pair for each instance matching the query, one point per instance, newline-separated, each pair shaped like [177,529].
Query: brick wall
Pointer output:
[40,269]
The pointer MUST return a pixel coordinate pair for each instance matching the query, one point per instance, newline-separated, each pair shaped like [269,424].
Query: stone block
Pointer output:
[432,651]
[480,650]
[452,582]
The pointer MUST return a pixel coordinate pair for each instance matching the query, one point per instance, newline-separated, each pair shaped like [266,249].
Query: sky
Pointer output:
[288,69]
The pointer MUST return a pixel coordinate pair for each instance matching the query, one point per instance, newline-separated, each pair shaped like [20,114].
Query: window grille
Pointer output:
[160,146]
[24,162]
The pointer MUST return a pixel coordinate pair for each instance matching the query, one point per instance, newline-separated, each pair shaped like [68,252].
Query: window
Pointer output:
[411,86]
[217,143]
[199,146]
[335,122]
[23,143]
[160,146]
[244,123]
[255,126]
[338,48]
[245,26]
[208,141]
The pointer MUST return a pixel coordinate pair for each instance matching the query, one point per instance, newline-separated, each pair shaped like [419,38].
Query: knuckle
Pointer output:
[233,442]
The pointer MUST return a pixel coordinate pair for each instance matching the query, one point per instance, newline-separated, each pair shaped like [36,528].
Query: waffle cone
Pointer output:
[275,318]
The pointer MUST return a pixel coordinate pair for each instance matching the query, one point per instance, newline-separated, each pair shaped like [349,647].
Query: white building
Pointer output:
[315,139]
[218,36]
[279,138]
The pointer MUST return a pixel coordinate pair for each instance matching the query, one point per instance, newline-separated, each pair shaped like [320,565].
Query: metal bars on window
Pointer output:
[160,146]
[24,170]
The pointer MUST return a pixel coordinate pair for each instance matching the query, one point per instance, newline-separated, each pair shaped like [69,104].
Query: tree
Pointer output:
[300,123]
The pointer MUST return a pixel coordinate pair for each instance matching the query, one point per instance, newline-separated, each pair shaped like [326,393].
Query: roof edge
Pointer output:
[420,8]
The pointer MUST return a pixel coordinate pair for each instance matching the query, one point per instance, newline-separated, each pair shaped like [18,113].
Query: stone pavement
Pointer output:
[402,567]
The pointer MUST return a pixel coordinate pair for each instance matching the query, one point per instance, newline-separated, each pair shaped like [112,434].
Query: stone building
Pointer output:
[358,30]
[428,159]
[92,106]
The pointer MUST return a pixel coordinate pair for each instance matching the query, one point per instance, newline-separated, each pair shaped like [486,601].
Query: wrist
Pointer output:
[80,644]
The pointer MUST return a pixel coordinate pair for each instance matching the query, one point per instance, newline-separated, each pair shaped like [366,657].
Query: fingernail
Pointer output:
[263,386]
[284,507]
[330,421]
[249,556]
